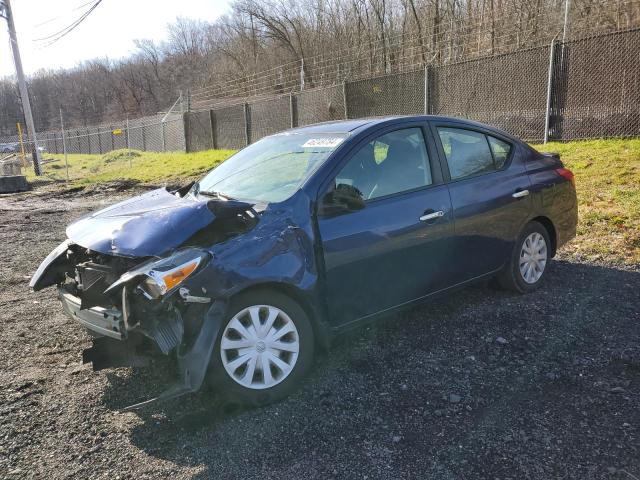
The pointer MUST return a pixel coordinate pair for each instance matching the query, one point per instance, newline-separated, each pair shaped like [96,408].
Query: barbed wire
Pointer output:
[325,70]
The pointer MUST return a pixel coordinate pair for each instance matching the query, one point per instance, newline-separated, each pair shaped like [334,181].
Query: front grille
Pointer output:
[94,272]
[91,274]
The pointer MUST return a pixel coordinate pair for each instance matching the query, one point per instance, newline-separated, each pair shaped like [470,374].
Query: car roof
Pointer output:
[357,125]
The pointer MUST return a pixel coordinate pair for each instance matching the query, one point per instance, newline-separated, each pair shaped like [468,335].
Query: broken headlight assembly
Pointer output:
[162,276]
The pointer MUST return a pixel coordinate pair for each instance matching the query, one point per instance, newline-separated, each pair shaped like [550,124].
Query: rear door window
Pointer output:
[467,152]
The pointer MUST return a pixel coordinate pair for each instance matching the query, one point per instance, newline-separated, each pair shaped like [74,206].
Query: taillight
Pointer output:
[566,173]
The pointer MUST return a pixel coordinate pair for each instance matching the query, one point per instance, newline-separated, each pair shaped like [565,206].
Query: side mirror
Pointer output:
[182,191]
[342,199]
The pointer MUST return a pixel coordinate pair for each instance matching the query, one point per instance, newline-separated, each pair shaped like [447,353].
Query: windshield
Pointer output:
[272,169]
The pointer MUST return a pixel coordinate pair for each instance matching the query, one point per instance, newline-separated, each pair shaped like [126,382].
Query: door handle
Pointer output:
[520,194]
[431,216]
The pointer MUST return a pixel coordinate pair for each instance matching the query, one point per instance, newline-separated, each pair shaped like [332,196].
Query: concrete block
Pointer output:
[11,166]
[13,183]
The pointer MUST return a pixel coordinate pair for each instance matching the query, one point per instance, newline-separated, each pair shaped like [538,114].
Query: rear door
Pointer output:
[394,249]
[490,195]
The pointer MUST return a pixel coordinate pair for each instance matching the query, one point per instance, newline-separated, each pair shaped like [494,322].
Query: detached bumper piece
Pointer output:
[108,353]
[106,322]
[168,331]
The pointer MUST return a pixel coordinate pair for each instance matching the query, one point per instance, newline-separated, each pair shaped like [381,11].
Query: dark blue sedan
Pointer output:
[243,275]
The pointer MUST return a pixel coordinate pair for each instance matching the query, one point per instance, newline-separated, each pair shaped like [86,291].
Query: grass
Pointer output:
[607,179]
[607,176]
[145,167]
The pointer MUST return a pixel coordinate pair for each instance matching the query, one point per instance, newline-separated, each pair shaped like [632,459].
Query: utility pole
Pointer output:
[5,11]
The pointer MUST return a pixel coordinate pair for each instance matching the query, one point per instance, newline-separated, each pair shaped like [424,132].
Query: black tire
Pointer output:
[232,392]
[511,278]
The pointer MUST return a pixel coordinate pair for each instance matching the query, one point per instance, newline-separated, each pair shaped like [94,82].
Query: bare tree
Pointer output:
[261,45]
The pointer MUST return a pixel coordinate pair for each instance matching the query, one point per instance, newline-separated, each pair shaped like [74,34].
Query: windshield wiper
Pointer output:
[211,193]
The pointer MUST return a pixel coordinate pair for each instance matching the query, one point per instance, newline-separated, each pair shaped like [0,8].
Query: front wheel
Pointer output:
[529,259]
[265,349]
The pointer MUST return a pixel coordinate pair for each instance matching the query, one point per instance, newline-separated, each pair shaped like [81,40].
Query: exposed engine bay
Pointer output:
[136,307]
[153,275]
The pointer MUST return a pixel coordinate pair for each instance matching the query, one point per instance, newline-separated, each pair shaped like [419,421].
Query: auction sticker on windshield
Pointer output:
[323,142]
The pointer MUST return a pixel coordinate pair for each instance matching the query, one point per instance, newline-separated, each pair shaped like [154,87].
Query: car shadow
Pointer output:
[471,385]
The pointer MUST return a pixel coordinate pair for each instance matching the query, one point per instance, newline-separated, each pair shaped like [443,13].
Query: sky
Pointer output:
[109,31]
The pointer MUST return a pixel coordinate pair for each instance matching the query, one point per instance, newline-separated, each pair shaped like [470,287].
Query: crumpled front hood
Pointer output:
[151,224]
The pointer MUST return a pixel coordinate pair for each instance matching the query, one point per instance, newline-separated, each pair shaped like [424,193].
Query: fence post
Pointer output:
[128,141]
[64,146]
[212,123]
[129,144]
[344,97]
[24,158]
[100,140]
[164,142]
[291,110]
[187,138]
[144,139]
[113,141]
[426,90]
[247,119]
[547,114]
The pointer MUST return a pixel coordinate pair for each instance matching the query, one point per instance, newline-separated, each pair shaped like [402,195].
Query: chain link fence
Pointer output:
[508,91]
[585,88]
[588,88]
[597,90]
[397,94]
[154,133]
[318,105]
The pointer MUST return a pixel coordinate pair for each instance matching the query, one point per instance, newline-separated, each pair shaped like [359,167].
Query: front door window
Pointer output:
[393,163]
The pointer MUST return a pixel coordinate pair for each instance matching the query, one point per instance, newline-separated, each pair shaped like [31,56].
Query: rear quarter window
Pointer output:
[500,150]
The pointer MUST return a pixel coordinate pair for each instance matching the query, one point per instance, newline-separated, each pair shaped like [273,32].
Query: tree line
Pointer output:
[273,46]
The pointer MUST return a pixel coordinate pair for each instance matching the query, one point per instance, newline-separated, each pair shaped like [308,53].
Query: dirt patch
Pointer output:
[123,154]
[483,384]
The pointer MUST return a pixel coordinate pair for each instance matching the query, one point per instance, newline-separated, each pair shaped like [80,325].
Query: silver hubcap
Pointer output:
[259,347]
[533,257]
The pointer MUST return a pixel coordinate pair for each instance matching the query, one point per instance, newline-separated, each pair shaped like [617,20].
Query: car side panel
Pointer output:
[383,256]
[553,196]
[487,218]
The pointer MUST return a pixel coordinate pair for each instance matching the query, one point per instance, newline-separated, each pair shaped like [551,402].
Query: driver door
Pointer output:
[388,247]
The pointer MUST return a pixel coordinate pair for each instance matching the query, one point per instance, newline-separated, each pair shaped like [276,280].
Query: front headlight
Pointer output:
[168,274]
[162,276]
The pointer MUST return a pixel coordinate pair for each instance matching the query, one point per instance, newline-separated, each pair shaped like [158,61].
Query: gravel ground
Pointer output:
[484,384]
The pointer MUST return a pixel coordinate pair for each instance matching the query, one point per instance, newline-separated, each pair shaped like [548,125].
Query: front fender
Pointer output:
[51,270]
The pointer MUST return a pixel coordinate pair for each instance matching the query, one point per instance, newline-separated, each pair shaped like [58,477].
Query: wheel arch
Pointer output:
[551,230]
[321,330]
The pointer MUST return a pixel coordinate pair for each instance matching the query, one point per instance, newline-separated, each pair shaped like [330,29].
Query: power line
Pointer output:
[58,17]
[53,38]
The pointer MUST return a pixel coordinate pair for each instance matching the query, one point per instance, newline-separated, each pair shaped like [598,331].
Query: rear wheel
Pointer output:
[529,259]
[265,349]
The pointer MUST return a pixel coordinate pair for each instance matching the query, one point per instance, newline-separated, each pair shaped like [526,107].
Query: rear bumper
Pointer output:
[566,223]
[104,322]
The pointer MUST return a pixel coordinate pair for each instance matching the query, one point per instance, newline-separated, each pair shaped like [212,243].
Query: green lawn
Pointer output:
[607,178]
[145,167]
[608,184]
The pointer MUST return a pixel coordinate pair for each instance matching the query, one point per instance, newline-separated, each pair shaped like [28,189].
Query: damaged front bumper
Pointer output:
[114,345]
[98,320]
[128,328]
